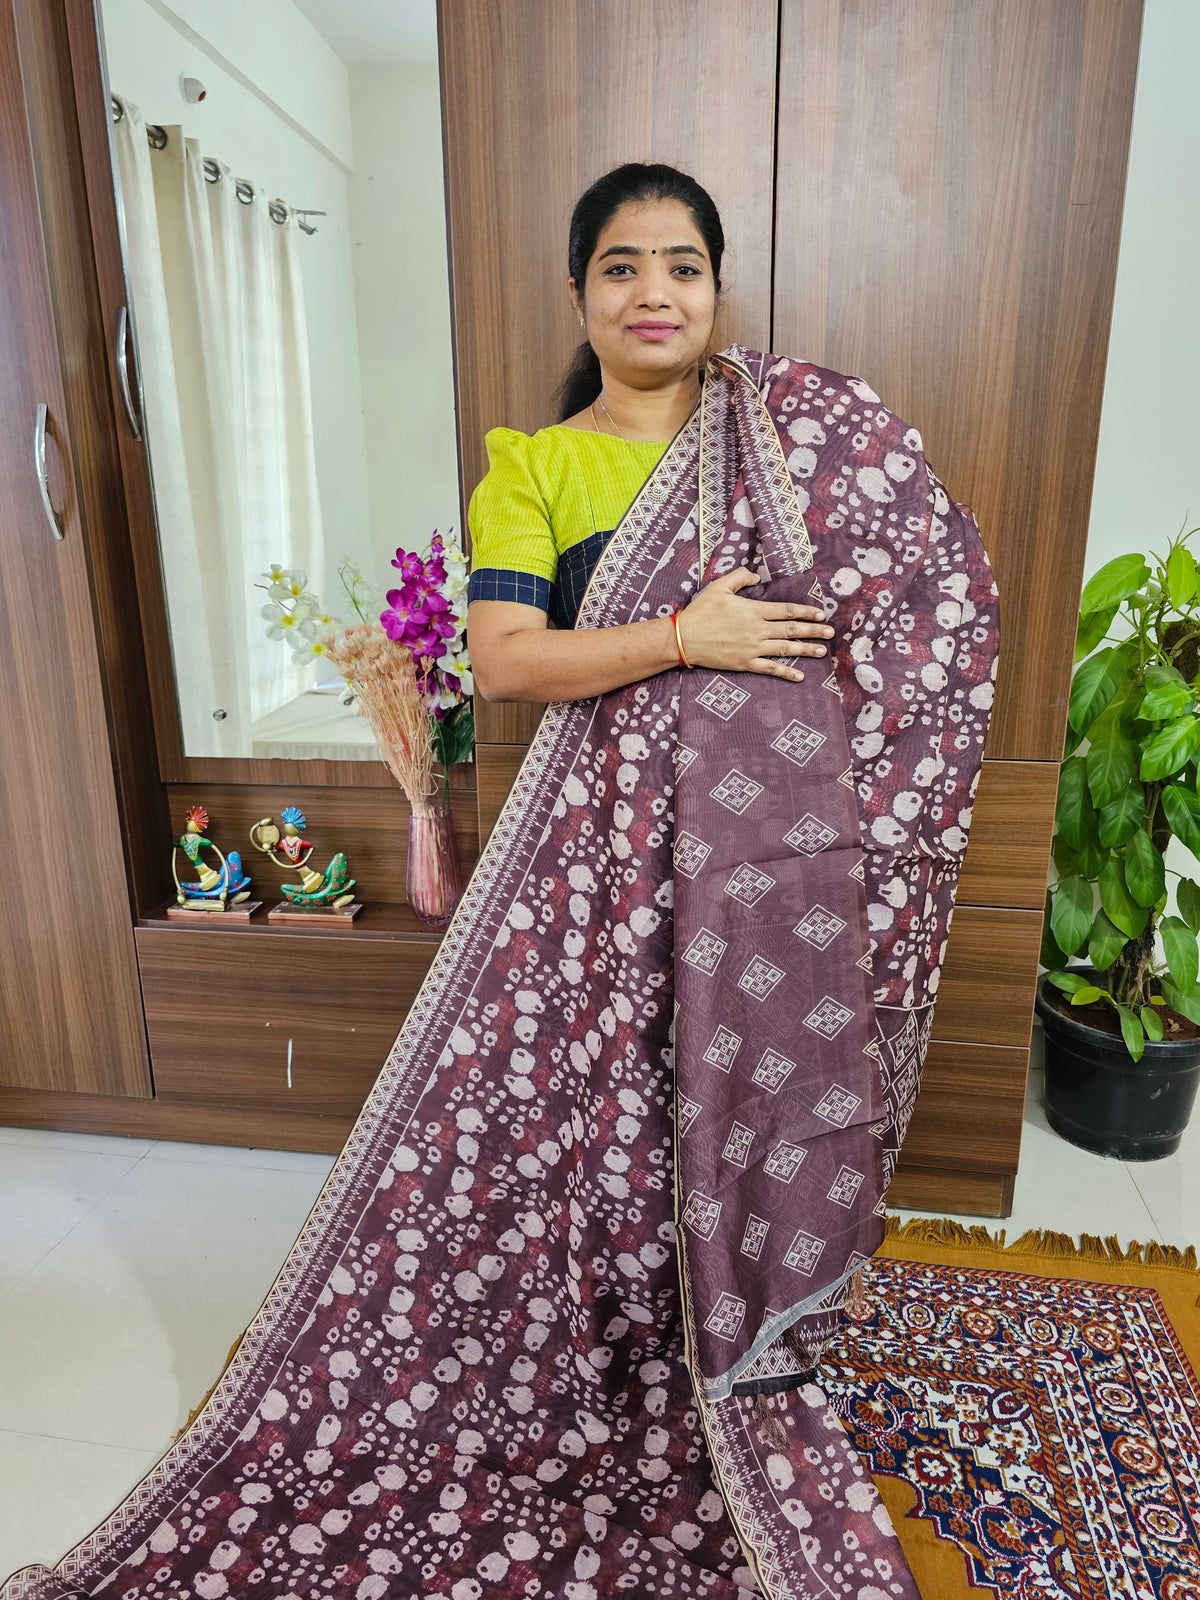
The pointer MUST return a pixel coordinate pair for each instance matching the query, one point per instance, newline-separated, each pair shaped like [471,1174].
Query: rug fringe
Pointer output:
[947,1233]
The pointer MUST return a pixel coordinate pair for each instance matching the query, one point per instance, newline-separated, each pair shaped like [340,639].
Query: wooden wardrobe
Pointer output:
[924,192]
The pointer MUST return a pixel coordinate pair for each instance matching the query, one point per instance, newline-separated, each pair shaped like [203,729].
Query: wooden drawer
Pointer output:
[970,1109]
[987,988]
[1008,856]
[228,1013]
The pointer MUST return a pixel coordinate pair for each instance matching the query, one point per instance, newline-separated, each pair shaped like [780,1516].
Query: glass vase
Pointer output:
[433,877]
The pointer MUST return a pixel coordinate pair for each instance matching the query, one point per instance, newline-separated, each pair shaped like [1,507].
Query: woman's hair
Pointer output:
[594,210]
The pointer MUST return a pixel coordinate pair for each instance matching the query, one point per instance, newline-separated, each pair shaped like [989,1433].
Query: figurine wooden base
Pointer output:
[198,913]
[288,911]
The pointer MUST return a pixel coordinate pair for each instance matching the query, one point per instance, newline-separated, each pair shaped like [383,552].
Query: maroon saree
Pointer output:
[550,1328]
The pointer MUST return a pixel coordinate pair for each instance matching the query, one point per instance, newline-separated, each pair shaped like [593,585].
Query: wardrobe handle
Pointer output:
[123,371]
[39,466]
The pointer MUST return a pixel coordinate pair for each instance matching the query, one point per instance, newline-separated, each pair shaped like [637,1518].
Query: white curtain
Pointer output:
[218,307]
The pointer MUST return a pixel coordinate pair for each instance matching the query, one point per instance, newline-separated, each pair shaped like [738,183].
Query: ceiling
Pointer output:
[382,32]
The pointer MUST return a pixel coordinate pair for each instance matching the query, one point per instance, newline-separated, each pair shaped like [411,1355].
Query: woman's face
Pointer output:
[649,299]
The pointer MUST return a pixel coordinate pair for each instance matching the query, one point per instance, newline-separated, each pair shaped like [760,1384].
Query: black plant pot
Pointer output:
[1099,1098]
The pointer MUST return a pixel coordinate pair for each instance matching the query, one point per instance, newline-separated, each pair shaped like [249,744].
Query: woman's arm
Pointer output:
[515,656]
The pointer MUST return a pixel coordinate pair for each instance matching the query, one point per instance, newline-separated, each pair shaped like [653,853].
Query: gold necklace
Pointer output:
[609,415]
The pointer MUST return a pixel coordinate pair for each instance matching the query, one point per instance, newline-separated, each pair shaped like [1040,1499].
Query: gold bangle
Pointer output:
[683,660]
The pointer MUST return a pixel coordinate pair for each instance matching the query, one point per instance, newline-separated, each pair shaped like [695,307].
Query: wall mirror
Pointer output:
[287,357]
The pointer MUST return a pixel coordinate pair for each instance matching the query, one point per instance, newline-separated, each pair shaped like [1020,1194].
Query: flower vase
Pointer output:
[433,877]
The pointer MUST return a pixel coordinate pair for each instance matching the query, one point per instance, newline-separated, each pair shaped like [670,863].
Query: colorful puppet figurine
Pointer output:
[213,891]
[289,851]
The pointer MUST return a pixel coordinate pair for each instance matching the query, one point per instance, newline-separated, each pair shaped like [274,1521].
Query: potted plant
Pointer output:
[1123,1030]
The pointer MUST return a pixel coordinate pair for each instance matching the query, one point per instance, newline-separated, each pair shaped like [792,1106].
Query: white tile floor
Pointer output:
[128,1268]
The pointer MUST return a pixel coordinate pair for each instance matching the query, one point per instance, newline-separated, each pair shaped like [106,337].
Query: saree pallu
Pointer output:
[550,1327]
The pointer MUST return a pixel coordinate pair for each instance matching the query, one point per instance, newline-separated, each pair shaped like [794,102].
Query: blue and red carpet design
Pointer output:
[1042,1424]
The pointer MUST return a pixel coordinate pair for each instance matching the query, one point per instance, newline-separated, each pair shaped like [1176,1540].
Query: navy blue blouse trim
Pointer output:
[496,583]
[561,599]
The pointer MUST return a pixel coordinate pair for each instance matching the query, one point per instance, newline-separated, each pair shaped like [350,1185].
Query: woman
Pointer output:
[551,1327]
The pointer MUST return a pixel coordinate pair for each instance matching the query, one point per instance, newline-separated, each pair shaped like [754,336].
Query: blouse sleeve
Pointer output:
[513,555]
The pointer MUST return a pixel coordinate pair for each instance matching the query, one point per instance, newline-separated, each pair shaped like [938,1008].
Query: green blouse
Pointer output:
[545,510]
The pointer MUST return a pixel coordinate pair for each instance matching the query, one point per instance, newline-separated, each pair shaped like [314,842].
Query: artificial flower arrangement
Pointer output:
[409,674]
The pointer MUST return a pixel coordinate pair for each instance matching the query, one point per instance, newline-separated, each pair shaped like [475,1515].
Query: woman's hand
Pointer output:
[721,629]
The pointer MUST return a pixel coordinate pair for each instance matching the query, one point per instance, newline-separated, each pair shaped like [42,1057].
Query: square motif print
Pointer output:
[828,1017]
[721,1051]
[803,1253]
[690,854]
[798,743]
[755,1237]
[726,1316]
[736,791]
[748,884]
[722,698]
[737,1146]
[837,1105]
[819,927]
[760,977]
[702,1214]
[705,952]
[785,1161]
[845,1186]
[773,1071]
[810,835]
[688,1112]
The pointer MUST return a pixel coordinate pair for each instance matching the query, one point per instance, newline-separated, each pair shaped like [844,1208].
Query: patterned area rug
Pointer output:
[1031,1414]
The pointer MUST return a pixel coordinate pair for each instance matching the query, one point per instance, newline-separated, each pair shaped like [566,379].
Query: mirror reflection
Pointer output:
[279,176]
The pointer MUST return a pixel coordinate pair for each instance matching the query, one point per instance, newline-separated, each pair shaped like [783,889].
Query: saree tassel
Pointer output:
[858,1299]
[767,1424]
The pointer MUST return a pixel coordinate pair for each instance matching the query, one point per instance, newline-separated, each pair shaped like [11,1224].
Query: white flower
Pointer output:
[307,649]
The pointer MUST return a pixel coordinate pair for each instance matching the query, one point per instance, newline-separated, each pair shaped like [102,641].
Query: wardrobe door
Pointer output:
[70,1006]
[950,182]
[539,98]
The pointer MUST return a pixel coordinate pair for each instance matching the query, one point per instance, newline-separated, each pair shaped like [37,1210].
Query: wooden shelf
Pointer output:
[394,922]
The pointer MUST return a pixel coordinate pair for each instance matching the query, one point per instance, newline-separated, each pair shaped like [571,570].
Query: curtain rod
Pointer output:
[277,210]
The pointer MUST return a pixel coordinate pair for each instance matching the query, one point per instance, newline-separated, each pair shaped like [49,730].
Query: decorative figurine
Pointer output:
[318,896]
[224,892]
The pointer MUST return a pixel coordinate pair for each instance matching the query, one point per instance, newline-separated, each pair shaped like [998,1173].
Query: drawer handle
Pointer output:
[123,371]
[39,466]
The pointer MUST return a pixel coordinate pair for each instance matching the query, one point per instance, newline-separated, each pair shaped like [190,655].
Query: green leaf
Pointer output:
[1187,1005]
[1095,683]
[1110,762]
[1183,813]
[1092,629]
[1122,909]
[1068,981]
[1181,576]
[1086,995]
[1123,816]
[1171,748]
[1183,956]
[1106,942]
[1071,919]
[1074,814]
[1132,1032]
[1168,693]
[1050,955]
[1115,580]
[1152,1023]
[1187,898]
[1144,871]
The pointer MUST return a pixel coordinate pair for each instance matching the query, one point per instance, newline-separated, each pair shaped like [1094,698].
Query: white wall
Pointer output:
[401,274]
[1148,464]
